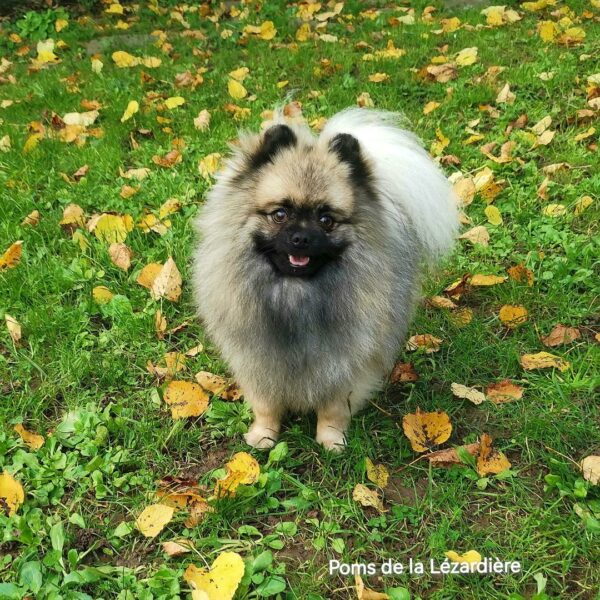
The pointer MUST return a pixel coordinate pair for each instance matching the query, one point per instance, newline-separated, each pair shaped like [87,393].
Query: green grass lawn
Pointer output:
[79,374]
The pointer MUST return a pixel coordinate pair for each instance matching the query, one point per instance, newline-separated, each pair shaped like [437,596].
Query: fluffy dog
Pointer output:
[307,271]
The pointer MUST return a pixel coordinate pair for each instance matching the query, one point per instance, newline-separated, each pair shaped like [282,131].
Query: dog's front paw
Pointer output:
[331,439]
[260,437]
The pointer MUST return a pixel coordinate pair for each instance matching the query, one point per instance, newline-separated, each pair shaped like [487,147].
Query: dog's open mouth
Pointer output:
[298,261]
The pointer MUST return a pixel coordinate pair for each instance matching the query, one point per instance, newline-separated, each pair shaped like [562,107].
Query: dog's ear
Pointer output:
[276,138]
[347,148]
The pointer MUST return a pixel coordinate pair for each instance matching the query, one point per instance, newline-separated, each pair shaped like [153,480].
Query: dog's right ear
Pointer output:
[276,138]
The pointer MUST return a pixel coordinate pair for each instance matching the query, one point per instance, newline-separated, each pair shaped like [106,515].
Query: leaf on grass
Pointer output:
[242,469]
[111,229]
[177,548]
[174,102]
[14,328]
[476,235]
[513,316]
[73,217]
[561,335]
[149,274]
[449,456]
[220,582]
[202,121]
[461,316]
[364,593]
[160,324]
[167,283]
[467,56]
[467,393]
[169,207]
[173,362]
[153,519]
[465,190]
[32,219]
[379,77]
[493,215]
[137,174]
[503,391]
[490,461]
[426,429]
[486,280]
[505,96]
[186,399]
[217,385]
[543,360]
[169,160]
[198,509]
[33,440]
[132,108]
[403,372]
[12,256]
[150,222]
[590,467]
[521,274]
[236,90]
[367,497]
[120,255]
[425,340]
[11,494]
[471,557]
[378,474]
[209,165]
[102,295]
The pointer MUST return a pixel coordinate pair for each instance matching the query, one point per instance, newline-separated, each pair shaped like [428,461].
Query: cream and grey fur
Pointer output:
[323,343]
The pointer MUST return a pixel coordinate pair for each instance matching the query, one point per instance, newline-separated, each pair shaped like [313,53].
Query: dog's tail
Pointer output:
[405,176]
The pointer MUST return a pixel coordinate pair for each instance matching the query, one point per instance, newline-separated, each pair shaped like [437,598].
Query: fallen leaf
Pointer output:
[403,372]
[169,207]
[120,255]
[467,56]
[14,328]
[112,229]
[583,204]
[441,302]
[150,222]
[554,210]
[173,363]
[33,440]
[543,360]
[472,557]
[12,256]
[5,144]
[493,215]
[430,107]
[167,283]
[505,96]
[124,59]
[467,393]
[449,456]
[521,274]
[477,235]
[379,77]
[11,494]
[503,391]
[148,274]
[461,316]
[378,474]
[128,191]
[177,548]
[425,340]
[561,335]
[465,190]
[137,174]
[202,121]
[209,165]
[236,90]
[153,519]
[490,461]
[367,497]
[590,466]
[486,280]
[170,159]
[513,316]
[132,108]
[364,593]
[442,73]
[242,469]
[160,324]
[186,399]
[220,582]
[174,102]
[102,295]
[426,429]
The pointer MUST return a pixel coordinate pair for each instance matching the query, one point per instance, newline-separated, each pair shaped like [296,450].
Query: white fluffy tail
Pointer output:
[406,178]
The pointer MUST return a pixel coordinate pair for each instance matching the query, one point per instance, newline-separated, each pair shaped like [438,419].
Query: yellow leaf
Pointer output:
[32,219]
[440,144]
[137,174]
[124,59]
[31,142]
[97,65]
[364,100]
[430,107]
[467,56]
[450,25]
[378,77]
[242,469]
[465,190]
[102,295]
[486,280]
[378,474]
[33,440]
[131,109]
[174,102]
[239,74]
[521,274]
[151,62]
[167,283]
[209,165]
[170,206]
[472,557]
[267,31]
[303,33]
[513,316]
[153,519]
[236,89]
[114,9]
[477,235]
[425,340]
[586,134]
[12,256]
[150,222]
[14,328]
[503,391]
[186,399]
[221,582]
[11,493]
[590,467]
[582,204]
[364,593]
[73,216]
[554,210]
[547,31]
[148,274]
[426,429]
[113,229]
[490,461]
[45,52]
[493,215]
[543,360]
[467,393]
[60,24]
[461,317]
[367,497]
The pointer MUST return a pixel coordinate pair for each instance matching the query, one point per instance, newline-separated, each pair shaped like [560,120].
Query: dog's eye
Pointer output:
[279,216]
[326,222]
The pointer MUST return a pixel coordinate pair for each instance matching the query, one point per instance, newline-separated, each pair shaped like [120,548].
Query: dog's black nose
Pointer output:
[299,239]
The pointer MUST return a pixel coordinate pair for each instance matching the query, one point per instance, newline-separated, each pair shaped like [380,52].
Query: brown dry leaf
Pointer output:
[426,429]
[403,372]
[513,316]
[33,440]
[379,77]
[378,474]
[503,391]
[217,385]
[486,280]
[186,399]
[12,494]
[220,582]
[590,467]
[505,96]
[561,335]
[173,362]
[12,256]
[477,235]
[167,283]
[209,165]
[198,509]
[467,393]
[149,274]
[170,159]
[441,302]
[194,351]
[364,100]
[120,255]
[32,219]
[543,360]
[14,328]
[177,548]
[137,174]
[366,497]
[242,469]
[364,593]
[153,519]
[160,324]
[449,456]
[128,191]
[425,340]
[465,190]
[456,289]
[461,316]
[490,461]
[442,73]
[521,274]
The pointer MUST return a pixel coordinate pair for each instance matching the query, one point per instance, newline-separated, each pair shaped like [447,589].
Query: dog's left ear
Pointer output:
[276,138]
[347,148]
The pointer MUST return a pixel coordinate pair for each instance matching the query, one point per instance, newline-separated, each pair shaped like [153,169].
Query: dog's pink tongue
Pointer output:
[299,261]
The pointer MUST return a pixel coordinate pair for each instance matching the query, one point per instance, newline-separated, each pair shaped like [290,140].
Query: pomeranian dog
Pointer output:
[307,272]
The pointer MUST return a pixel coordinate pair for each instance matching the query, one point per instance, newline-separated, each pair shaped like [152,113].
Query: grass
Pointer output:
[79,375]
